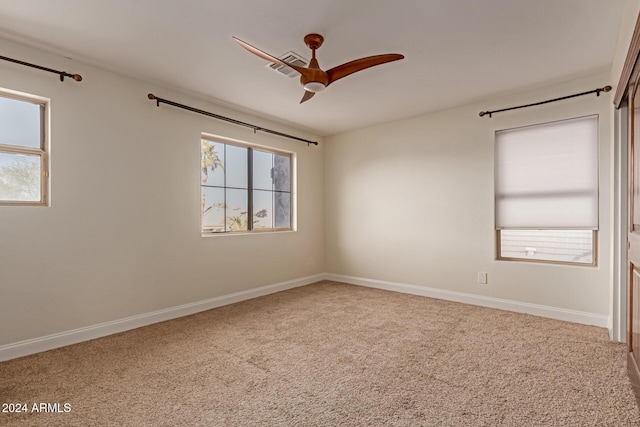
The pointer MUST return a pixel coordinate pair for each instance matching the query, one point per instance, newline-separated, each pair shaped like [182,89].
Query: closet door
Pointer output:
[634,236]
[628,96]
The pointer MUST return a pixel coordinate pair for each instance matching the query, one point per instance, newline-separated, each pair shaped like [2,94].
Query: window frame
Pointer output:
[42,152]
[595,232]
[250,186]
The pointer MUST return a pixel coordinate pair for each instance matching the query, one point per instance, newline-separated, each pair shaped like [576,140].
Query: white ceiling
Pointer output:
[456,51]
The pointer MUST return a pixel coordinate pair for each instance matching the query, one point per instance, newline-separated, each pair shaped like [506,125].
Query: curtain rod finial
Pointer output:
[482,113]
[151,96]
[606,88]
[77,77]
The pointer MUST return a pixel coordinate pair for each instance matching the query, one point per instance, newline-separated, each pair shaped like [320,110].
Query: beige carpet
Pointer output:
[331,354]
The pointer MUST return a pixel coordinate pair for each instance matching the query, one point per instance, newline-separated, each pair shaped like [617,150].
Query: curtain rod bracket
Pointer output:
[62,74]
[596,91]
[76,77]
[152,97]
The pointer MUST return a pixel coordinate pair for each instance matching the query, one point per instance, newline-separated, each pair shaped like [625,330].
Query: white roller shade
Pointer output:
[546,176]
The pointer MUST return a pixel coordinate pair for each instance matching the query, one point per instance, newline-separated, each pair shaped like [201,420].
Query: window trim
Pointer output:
[292,185]
[42,152]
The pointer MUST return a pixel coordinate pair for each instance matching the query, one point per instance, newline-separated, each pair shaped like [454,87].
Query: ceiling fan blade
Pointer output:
[356,65]
[307,96]
[268,57]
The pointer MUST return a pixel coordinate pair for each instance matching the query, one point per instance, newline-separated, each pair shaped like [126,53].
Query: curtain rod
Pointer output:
[227,119]
[596,91]
[62,74]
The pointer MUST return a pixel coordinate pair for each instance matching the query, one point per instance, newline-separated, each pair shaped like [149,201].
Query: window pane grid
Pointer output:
[23,156]
[222,186]
[264,204]
[225,204]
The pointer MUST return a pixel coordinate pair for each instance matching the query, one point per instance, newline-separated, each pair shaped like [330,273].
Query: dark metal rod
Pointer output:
[227,119]
[62,74]
[596,91]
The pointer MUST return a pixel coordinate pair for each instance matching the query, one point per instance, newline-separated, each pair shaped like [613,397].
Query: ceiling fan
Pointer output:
[314,79]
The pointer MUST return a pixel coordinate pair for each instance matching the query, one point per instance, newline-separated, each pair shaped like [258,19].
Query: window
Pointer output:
[546,192]
[244,188]
[23,150]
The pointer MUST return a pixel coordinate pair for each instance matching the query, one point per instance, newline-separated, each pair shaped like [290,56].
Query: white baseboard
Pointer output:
[502,304]
[49,342]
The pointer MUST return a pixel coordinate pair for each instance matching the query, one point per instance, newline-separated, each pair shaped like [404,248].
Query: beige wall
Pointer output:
[121,237]
[411,202]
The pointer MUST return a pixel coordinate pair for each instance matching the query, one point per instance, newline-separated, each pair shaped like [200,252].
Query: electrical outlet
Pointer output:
[482,278]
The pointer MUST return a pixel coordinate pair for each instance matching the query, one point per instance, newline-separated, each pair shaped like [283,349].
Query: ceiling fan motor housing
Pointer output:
[315,81]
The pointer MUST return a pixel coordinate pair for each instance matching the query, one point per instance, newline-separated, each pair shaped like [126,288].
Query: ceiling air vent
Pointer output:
[291,58]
